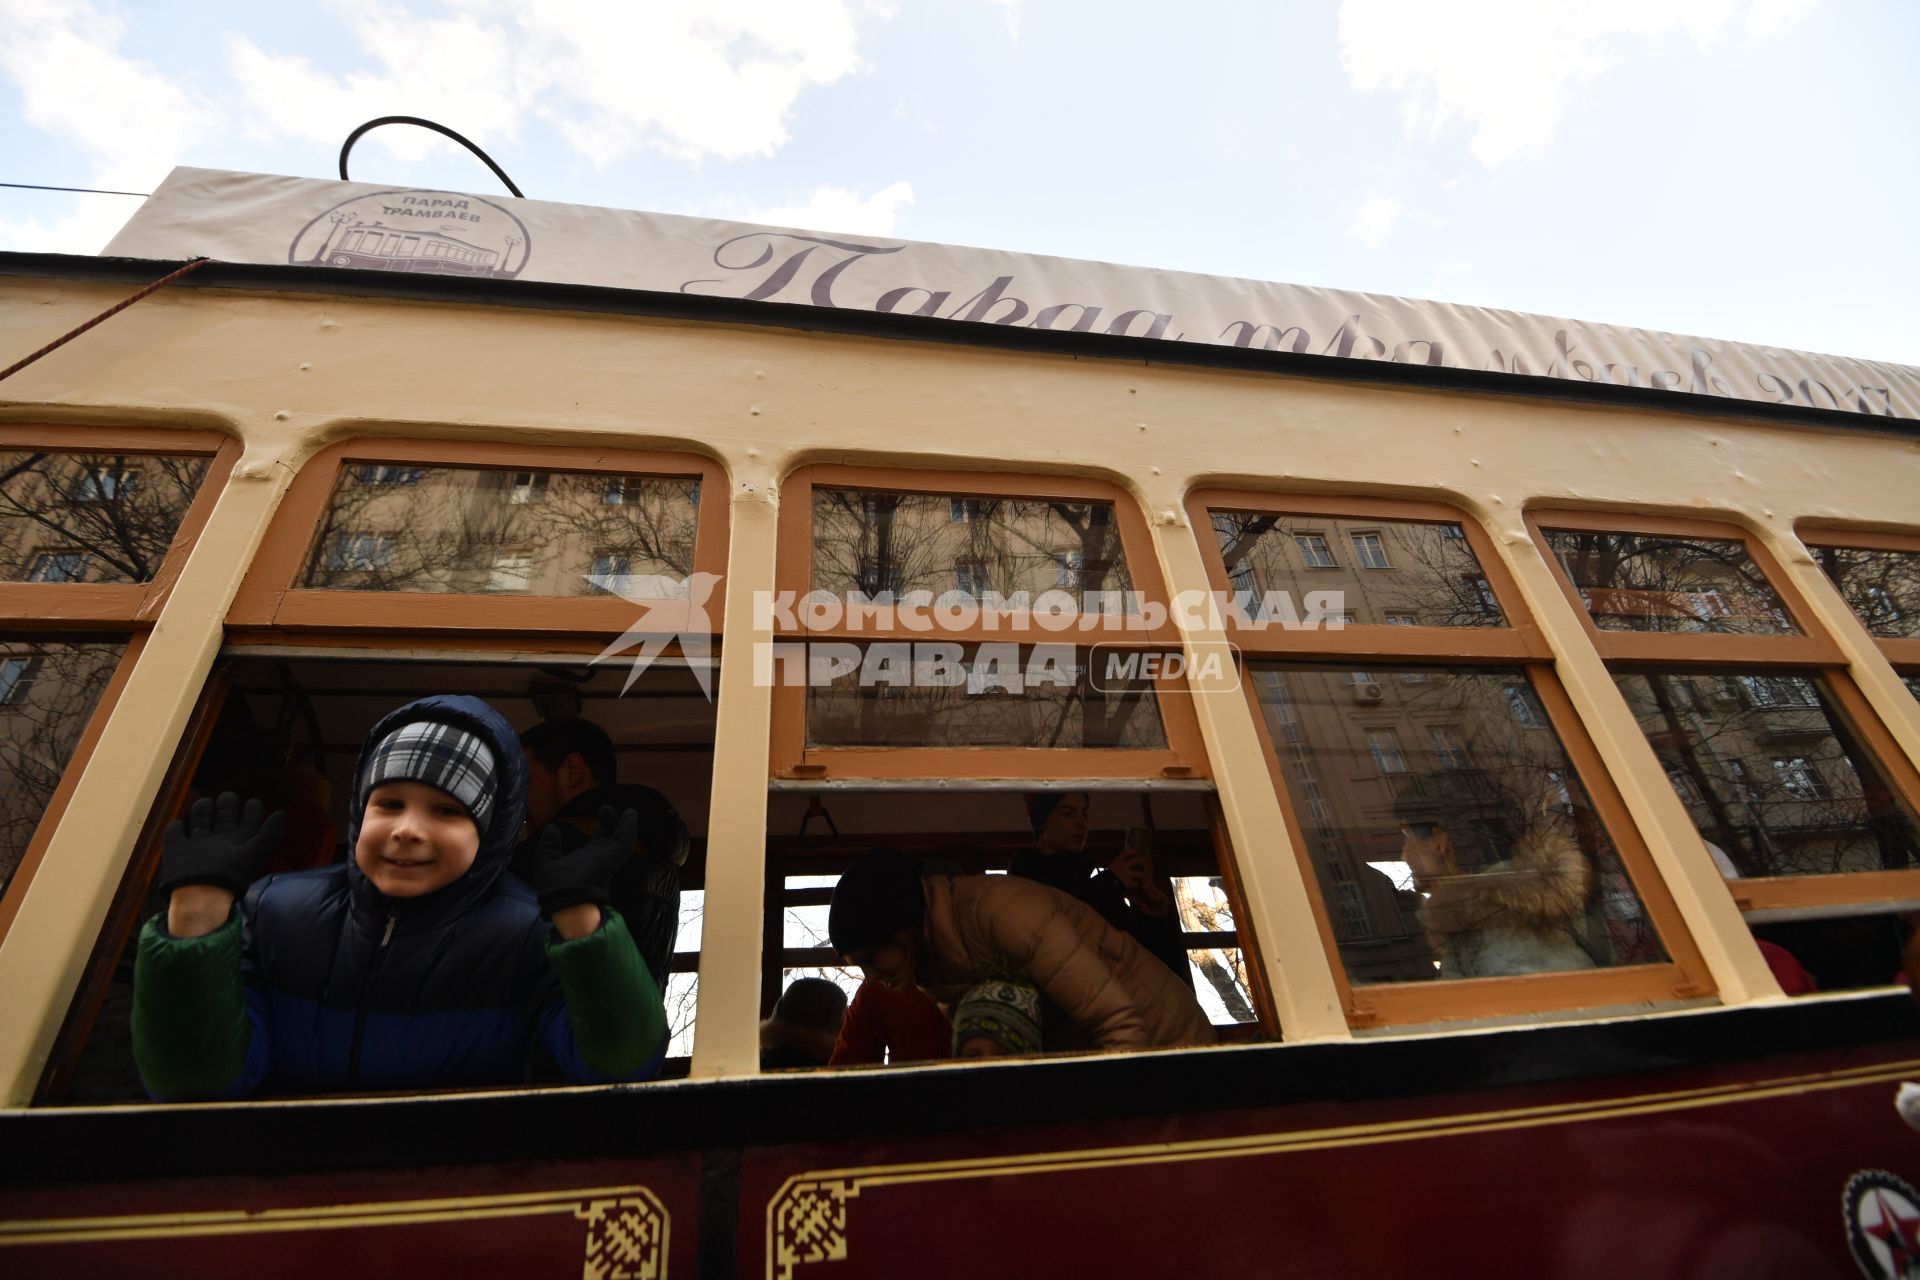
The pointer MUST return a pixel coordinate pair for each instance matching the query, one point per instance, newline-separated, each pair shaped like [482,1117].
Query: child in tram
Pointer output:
[419,963]
[907,925]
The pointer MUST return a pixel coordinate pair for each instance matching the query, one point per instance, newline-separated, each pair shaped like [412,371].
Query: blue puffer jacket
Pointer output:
[345,988]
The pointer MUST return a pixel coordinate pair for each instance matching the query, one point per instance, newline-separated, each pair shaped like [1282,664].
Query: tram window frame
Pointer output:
[268,612]
[1812,654]
[102,612]
[1903,652]
[792,756]
[1518,643]
[270,597]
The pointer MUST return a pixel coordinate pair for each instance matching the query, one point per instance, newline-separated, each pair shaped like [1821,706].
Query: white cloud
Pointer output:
[836,209]
[1505,68]
[1374,220]
[126,117]
[692,78]
[1009,14]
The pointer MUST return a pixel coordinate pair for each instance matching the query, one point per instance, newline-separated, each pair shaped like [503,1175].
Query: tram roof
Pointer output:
[284,233]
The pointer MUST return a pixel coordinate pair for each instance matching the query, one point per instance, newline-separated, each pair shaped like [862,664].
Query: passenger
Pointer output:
[891,1025]
[1127,893]
[420,963]
[1000,1017]
[906,926]
[805,1023]
[571,773]
[1522,914]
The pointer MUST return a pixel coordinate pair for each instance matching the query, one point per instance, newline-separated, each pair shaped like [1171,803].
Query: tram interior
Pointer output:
[289,730]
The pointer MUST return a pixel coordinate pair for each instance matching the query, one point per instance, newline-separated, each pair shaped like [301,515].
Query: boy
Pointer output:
[419,963]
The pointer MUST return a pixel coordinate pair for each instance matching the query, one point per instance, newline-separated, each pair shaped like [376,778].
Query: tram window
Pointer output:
[1811,954]
[1407,572]
[813,837]
[1687,585]
[990,695]
[48,691]
[872,541]
[1777,780]
[81,517]
[1488,860]
[290,731]
[542,533]
[1881,586]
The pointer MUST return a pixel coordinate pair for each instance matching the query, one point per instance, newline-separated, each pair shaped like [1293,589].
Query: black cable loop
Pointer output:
[354,137]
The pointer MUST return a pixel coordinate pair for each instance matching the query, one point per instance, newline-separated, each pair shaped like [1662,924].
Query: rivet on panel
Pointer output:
[753,453]
[281,415]
[1156,471]
[753,410]
[305,367]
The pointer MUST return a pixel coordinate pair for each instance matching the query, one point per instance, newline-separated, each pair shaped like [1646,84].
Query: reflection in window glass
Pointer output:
[1489,863]
[67,517]
[990,695]
[47,693]
[872,542]
[1642,582]
[1882,587]
[1406,572]
[1777,788]
[465,529]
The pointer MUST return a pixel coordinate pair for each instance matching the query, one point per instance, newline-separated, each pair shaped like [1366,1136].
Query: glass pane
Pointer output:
[1478,858]
[1882,587]
[1771,774]
[682,1000]
[47,692]
[470,530]
[1015,549]
[1640,582]
[1220,981]
[1385,572]
[989,695]
[73,517]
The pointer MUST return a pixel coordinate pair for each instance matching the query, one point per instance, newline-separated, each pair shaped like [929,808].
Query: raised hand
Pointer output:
[568,879]
[219,843]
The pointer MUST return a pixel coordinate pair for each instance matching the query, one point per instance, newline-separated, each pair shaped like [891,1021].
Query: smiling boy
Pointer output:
[420,963]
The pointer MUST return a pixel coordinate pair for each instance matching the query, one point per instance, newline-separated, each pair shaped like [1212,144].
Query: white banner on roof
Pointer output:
[259,218]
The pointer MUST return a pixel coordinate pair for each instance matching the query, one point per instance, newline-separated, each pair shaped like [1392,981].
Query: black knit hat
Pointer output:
[440,755]
[877,897]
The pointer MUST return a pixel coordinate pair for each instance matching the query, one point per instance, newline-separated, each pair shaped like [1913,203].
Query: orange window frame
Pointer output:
[1519,644]
[1184,756]
[1813,652]
[1901,651]
[270,604]
[102,611]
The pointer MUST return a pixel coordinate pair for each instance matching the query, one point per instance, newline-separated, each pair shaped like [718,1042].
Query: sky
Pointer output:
[1731,169]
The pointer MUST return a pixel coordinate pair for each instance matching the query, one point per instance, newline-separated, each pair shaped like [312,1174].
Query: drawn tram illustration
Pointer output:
[377,246]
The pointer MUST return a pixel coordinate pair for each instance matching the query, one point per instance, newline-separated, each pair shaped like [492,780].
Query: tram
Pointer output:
[1523,716]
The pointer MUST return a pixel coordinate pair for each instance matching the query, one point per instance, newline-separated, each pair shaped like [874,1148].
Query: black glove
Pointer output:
[219,843]
[567,879]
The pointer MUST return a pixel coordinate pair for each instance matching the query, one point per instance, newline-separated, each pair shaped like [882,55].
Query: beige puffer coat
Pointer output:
[1120,996]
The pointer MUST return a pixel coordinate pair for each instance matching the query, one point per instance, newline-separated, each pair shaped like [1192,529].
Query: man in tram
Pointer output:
[572,772]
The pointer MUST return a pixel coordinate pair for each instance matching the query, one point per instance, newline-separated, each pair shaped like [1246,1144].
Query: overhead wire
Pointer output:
[85,191]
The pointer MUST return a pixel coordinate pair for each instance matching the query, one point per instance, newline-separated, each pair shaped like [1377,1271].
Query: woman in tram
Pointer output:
[1126,893]
[906,925]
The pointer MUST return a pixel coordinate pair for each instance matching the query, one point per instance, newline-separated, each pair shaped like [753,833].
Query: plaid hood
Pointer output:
[507,813]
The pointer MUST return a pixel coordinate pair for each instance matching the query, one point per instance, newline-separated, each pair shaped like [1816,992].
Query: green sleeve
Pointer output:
[191,1032]
[618,1019]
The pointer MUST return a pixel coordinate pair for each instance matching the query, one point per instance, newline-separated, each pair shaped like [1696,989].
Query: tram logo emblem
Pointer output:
[672,610]
[1882,1214]
[439,232]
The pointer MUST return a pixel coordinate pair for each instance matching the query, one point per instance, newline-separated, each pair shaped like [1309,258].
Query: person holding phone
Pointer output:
[1127,892]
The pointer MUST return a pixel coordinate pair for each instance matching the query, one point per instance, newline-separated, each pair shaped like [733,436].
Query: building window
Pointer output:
[963,510]
[1067,569]
[104,484]
[16,678]
[970,578]
[527,486]
[608,565]
[511,571]
[381,473]
[58,566]
[1314,551]
[1779,691]
[1385,749]
[1402,618]
[1370,552]
[1524,706]
[360,552]
[1448,751]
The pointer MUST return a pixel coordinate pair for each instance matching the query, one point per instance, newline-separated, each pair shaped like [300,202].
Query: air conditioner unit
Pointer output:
[1368,691]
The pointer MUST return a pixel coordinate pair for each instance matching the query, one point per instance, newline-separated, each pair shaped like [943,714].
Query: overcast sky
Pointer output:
[1738,169]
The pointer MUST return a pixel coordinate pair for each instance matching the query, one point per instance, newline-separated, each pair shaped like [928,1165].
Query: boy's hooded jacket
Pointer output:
[331,985]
